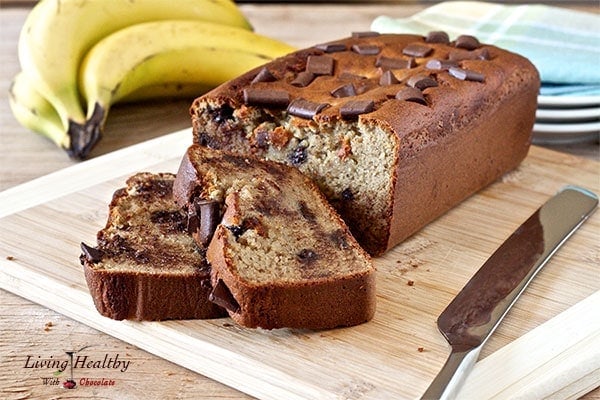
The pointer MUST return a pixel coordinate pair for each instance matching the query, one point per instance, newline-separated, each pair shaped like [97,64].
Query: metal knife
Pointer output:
[471,318]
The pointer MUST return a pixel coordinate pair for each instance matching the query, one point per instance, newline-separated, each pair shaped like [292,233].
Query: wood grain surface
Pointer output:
[394,356]
[29,329]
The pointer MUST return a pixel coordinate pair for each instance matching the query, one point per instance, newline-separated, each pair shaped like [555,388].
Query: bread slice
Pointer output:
[395,129]
[280,255]
[146,266]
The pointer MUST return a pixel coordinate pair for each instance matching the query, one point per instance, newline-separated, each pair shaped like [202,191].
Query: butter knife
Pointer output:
[471,318]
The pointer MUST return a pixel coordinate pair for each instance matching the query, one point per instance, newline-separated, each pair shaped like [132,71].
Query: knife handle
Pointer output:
[449,380]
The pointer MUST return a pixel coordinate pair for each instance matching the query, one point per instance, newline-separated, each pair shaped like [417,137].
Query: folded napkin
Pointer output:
[564,45]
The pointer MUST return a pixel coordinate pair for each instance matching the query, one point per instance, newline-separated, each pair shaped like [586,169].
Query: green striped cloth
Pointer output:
[563,44]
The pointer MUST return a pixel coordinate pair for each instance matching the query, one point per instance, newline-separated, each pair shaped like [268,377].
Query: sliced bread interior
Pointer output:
[279,253]
[145,265]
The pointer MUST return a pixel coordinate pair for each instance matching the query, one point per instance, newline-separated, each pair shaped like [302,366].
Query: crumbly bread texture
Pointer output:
[280,255]
[394,129]
[146,266]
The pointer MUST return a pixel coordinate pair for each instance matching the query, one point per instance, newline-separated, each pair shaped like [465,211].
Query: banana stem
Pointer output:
[85,136]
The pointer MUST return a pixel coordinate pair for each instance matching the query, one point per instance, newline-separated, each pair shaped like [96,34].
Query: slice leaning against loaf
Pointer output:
[280,255]
[146,266]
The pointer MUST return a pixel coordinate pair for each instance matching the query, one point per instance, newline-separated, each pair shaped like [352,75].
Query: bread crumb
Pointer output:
[345,150]
[280,137]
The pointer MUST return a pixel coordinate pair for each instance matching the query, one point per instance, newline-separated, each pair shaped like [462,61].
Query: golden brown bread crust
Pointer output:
[146,266]
[281,256]
[141,297]
[461,136]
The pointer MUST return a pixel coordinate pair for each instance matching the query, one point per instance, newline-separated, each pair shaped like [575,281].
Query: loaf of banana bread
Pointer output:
[279,253]
[145,265]
[394,129]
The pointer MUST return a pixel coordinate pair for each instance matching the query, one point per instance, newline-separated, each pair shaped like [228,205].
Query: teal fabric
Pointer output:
[563,44]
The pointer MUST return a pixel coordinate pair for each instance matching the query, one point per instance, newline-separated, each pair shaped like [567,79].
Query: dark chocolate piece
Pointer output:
[298,156]
[444,65]
[320,65]
[331,47]
[169,222]
[264,75]
[411,94]
[347,194]
[222,114]
[483,54]
[388,78]
[307,256]
[193,221]
[417,50]
[366,49]
[266,97]
[354,108]
[205,216]
[421,82]
[221,296]
[306,212]
[466,74]
[437,37]
[303,79]
[305,109]
[395,63]
[364,34]
[346,90]
[237,230]
[92,254]
[467,42]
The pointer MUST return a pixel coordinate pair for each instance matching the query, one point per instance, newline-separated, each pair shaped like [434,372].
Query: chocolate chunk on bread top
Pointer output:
[280,255]
[394,129]
[145,265]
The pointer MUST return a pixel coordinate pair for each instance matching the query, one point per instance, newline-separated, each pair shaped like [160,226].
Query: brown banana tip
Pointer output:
[85,136]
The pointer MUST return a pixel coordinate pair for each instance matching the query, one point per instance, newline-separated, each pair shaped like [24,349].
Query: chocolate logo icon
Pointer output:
[70,383]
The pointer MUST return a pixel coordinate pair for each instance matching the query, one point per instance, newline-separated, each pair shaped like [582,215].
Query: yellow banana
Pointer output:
[33,111]
[170,57]
[58,33]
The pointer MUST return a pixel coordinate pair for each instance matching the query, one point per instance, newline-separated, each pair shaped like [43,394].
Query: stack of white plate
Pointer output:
[567,119]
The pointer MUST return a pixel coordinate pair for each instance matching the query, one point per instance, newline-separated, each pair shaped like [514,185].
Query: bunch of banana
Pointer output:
[80,57]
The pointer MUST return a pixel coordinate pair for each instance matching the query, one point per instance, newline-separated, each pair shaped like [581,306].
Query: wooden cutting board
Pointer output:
[549,344]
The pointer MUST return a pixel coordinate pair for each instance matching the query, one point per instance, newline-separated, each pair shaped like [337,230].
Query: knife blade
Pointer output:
[473,315]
